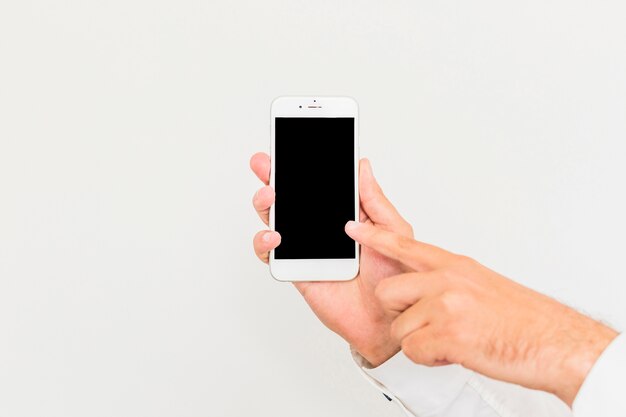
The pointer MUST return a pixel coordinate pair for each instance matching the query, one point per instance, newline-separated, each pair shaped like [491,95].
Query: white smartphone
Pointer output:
[314,172]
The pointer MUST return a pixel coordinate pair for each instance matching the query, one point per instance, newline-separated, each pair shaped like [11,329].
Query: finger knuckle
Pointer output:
[465,263]
[416,352]
[448,274]
[451,330]
[450,302]
[460,270]
[381,291]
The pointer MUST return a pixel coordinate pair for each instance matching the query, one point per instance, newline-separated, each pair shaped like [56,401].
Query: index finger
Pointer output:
[417,255]
[261,164]
[400,292]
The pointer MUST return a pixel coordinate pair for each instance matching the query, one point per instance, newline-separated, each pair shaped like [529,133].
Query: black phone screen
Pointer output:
[315,189]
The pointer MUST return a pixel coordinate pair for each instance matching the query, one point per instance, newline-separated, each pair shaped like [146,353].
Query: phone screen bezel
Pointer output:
[315,269]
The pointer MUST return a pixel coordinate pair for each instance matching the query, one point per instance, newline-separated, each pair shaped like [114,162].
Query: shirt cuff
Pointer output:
[602,392]
[419,389]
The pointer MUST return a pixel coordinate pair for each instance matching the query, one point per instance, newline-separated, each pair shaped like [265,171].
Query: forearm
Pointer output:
[574,353]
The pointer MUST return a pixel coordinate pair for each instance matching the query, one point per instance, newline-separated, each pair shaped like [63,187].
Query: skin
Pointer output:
[439,307]
[451,309]
[348,308]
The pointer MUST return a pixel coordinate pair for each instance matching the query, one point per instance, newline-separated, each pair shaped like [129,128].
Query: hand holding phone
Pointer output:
[348,308]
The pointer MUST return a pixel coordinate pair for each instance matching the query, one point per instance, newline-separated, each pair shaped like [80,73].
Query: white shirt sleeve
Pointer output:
[603,392]
[453,391]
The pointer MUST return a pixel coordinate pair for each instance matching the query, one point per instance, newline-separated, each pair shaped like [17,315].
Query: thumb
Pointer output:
[374,203]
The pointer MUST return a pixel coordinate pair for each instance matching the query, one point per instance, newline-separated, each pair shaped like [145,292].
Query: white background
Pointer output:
[128,286]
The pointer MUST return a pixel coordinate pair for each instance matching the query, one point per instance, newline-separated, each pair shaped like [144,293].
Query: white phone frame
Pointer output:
[315,269]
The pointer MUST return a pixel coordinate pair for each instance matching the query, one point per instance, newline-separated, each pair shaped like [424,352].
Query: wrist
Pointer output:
[582,352]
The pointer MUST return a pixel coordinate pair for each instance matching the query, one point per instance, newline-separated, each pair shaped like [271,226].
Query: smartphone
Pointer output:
[314,172]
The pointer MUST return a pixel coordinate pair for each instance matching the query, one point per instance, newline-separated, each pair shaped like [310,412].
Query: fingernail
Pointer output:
[351,225]
[267,237]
